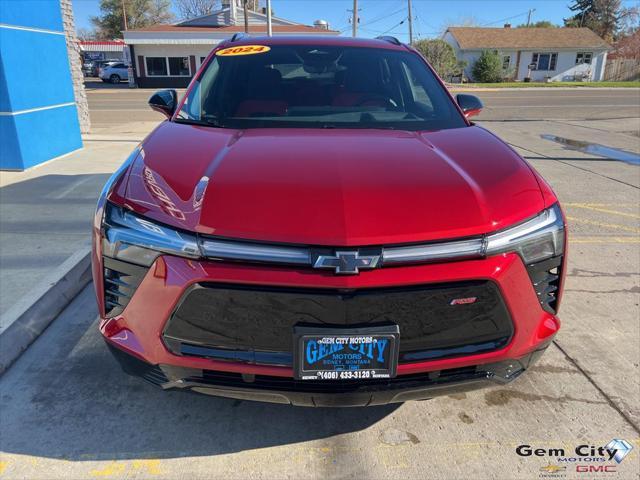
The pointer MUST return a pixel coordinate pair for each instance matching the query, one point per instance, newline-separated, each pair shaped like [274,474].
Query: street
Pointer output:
[69,412]
[110,106]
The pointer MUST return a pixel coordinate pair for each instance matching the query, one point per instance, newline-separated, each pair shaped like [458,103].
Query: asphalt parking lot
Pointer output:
[69,412]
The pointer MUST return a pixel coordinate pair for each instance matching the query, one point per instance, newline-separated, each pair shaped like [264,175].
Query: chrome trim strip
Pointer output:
[252,252]
[434,252]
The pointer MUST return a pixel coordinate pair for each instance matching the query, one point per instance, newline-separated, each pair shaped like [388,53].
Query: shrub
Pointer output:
[488,68]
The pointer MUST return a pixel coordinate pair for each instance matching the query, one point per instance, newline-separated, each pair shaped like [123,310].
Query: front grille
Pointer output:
[265,382]
[121,279]
[255,324]
[545,277]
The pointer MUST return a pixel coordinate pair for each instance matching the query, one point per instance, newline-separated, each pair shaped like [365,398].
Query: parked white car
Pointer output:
[114,73]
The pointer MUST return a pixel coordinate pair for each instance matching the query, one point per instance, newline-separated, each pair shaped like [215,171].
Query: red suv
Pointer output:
[317,222]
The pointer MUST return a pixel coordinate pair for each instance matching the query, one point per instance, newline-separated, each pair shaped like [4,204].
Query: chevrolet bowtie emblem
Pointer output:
[347,263]
[553,468]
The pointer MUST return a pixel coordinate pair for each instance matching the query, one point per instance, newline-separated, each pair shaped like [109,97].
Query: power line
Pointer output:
[505,19]
[383,17]
[394,27]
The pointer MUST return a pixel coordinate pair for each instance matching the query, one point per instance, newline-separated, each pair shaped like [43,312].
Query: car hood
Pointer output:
[338,187]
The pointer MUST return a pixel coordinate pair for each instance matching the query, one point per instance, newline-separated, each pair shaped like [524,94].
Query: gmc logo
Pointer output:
[596,468]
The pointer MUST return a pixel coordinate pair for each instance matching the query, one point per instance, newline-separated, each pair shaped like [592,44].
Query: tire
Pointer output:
[114,78]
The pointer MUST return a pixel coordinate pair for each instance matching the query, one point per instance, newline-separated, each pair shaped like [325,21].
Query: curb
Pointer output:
[23,323]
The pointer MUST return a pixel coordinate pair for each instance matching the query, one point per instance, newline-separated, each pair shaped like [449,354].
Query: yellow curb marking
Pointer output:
[599,209]
[605,225]
[152,467]
[606,240]
[3,466]
[113,468]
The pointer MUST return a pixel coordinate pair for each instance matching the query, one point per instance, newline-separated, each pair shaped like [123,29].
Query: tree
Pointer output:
[441,56]
[459,21]
[488,67]
[86,34]
[627,47]
[195,8]
[540,24]
[140,13]
[605,17]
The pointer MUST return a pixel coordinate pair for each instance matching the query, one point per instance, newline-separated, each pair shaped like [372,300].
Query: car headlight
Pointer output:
[540,243]
[535,240]
[131,238]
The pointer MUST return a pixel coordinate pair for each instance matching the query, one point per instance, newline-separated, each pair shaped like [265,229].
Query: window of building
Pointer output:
[584,57]
[179,66]
[168,66]
[156,66]
[202,59]
[544,61]
[506,61]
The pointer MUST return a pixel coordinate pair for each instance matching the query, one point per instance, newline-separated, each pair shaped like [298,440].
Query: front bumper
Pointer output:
[264,388]
[137,332]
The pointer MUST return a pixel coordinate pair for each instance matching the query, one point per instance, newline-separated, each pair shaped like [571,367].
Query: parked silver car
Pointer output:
[114,73]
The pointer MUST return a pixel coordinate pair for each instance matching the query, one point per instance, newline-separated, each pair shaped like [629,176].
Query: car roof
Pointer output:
[315,40]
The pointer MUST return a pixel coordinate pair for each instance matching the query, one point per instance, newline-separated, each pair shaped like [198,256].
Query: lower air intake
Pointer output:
[545,276]
[121,279]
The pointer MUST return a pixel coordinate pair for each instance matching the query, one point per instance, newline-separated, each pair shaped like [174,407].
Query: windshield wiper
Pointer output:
[204,123]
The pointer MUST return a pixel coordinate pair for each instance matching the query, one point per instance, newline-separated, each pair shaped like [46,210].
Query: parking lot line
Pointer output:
[603,210]
[605,225]
[605,240]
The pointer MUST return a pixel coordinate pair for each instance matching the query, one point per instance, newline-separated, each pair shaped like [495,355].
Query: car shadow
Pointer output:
[94,83]
[67,398]
[42,221]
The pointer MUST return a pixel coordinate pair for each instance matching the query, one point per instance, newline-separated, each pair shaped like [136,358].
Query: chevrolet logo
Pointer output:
[553,468]
[347,263]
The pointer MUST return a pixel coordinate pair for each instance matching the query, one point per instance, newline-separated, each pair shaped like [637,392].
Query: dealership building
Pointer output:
[169,55]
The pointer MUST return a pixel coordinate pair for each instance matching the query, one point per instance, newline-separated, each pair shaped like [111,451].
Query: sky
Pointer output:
[389,17]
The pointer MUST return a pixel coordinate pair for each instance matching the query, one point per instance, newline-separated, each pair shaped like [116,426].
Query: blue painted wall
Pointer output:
[38,116]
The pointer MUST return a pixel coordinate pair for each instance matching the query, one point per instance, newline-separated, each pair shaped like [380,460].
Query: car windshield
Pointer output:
[319,87]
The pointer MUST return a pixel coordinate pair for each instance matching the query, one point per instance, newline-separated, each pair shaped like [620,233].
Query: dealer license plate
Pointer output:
[345,354]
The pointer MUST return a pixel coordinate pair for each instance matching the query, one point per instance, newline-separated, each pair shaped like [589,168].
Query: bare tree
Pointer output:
[469,20]
[195,8]
[86,34]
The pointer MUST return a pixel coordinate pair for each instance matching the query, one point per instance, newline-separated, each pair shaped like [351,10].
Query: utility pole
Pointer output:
[354,21]
[246,16]
[124,15]
[529,16]
[269,28]
[410,22]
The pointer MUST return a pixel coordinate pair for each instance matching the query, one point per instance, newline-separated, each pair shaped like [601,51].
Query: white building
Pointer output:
[169,55]
[555,54]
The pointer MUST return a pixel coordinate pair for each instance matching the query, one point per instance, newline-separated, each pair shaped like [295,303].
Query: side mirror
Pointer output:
[164,101]
[470,104]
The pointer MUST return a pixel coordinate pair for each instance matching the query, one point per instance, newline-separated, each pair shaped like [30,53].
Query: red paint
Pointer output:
[157,296]
[331,188]
[472,113]
[463,301]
